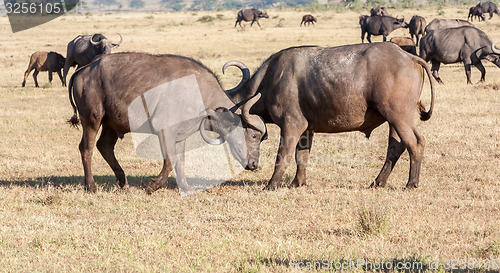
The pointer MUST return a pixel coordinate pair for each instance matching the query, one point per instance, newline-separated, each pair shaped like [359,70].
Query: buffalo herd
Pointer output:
[303,90]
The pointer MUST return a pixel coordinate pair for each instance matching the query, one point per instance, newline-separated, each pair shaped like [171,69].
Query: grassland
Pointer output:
[49,223]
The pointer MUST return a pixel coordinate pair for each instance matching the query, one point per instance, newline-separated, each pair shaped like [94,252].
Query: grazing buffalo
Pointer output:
[379,11]
[307,90]
[445,23]
[44,61]
[463,44]
[477,12]
[406,44]
[417,27]
[104,91]
[489,7]
[380,25]
[308,19]
[250,15]
[84,48]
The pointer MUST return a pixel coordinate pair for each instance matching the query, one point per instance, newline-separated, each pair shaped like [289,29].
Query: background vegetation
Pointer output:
[48,222]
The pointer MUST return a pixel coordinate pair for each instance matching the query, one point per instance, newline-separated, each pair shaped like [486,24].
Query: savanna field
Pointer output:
[49,223]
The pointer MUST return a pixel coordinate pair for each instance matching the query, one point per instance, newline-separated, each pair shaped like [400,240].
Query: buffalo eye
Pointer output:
[254,136]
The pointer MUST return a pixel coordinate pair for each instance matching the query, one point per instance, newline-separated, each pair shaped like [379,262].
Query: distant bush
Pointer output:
[205,19]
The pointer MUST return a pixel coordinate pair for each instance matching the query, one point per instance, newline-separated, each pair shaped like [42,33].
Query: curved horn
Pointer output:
[253,120]
[203,132]
[244,71]
[121,40]
[92,40]
[495,49]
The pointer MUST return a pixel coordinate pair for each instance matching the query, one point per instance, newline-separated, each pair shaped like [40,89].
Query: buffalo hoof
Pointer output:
[271,187]
[295,184]
[91,188]
[156,184]
[411,185]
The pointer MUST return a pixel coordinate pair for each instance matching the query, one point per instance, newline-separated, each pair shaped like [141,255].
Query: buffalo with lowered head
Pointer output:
[308,19]
[309,89]
[417,27]
[476,12]
[85,48]
[379,25]
[468,45]
[102,93]
[250,15]
[44,61]
[437,23]
[489,7]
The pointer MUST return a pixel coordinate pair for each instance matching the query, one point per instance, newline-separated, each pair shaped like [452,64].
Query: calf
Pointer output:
[477,12]
[44,61]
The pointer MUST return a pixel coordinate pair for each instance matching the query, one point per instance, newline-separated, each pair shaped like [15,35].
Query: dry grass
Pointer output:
[48,223]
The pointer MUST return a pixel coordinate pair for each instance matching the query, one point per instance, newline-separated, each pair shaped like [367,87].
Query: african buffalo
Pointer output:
[250,15]
[417,26]
[104,91]
[84,48]
[445,23]
[379,11]
[380,25]
[407,44]
[44,61]
[308,19]
[307,90]
[463,44]
[489,7]
[477,12]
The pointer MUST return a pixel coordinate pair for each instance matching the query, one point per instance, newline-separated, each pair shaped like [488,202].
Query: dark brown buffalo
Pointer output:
[308,19]
[379,11]
[468,45]
[250,15]
[379,25]
[445,23]
[417,27]
[85,48]
[44,61]
[476,12]
[308,90]
[407,44]
[489,7]
[104,90]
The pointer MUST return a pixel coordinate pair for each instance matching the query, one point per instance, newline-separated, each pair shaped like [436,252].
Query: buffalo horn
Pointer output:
[253,120]
[92,40]
[204,134]
[244,71]
[121,40]
[494,48]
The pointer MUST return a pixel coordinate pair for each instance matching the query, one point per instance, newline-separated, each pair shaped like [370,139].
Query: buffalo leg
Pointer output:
[480,67]
[168,163]
[415,144]
[35,74]
[180,168]
[50,76]
[384,38]
[106,146]
[394,151]
[368,37]
[416,36]
[86,150]
[60,76]
[468,72]
[289,138]
[435,70]
[26,74]
[362,36]
[302,157]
